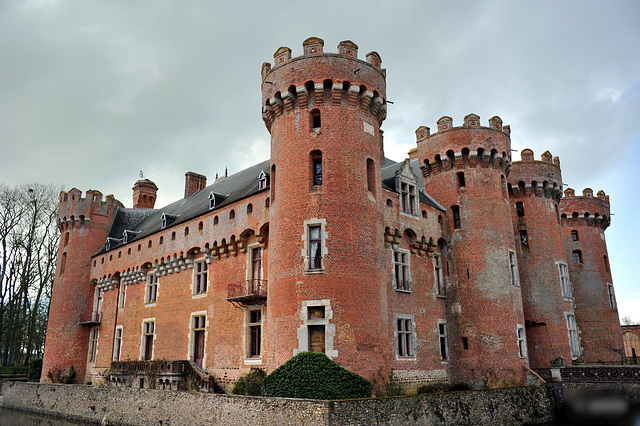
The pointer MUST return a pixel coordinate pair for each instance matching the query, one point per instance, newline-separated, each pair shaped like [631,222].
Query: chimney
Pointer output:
[144,194]
[193,183]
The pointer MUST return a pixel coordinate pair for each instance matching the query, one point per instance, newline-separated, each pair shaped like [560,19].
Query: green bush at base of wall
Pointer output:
[250,384]
[313,375]
[35,370]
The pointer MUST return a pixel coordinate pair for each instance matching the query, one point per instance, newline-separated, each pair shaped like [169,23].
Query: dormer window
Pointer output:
[408,195]
[212,201]
[164,221]
[407,187]
[262,181]
[128,235]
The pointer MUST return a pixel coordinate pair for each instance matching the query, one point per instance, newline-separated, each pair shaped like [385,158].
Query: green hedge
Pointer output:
[250,384]
[313,375]
[35,370]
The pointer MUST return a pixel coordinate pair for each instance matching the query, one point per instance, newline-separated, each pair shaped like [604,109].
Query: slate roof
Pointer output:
[228,190]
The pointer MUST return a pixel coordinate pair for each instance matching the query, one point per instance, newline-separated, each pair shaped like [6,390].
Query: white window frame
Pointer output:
[122,296]
[442,341]
[200,278]
[143,338]
[329,328]
[513,268]
[262,181]
[94,334]
[308,224]
[404,263]
[248,358]
[522,341]
[574,334]
[565,282]
[409,197]
[212,200]
[192,335]
[151,289]
[117,344]
[438,275]
[612,296]
[406,341]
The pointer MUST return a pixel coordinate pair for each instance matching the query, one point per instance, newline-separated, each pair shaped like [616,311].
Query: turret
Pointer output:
[535,189]
[465,170]
[75,306]
[584,220]
[144,194]
[324,112]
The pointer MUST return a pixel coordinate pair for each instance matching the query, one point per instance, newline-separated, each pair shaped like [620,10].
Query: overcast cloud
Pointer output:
[92,92]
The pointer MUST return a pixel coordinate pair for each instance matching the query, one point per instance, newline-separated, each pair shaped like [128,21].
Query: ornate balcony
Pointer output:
[248,292]
[92,318]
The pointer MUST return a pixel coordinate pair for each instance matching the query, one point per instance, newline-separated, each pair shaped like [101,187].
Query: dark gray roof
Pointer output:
[389,182]
[228,190]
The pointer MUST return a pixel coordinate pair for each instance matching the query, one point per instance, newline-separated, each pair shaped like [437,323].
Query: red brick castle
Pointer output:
[455,264]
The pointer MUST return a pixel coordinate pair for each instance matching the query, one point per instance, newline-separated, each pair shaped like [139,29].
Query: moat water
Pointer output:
[18,418]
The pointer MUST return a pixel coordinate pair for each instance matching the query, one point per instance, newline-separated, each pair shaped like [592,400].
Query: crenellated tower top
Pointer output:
[317,78]
[76,211]
[595,211]
[540,178]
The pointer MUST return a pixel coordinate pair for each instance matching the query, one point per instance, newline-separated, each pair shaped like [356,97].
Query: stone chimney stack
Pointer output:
[144,194]
[193,183]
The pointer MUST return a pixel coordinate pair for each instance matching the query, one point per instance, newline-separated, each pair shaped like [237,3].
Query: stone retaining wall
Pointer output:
[109,405]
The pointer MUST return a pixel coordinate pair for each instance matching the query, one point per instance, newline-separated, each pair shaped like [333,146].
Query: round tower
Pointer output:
[535,189]
[465,170]
[75,307]
[584,220]
[324,112]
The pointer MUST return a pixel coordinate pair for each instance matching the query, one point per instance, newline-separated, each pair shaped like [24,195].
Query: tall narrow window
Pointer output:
[97,304]
[122,295]
[148,334]
[256,270]
[460,176]
[316,168]
[612,296]
[577,256]
[200,277]
[513,267]
[63,262]
[520,209]
[442,338]
[524,239]
[151,292]
[606,263]
[404,331]
[522,342]
[567,292]
[402,273]
[574,235]
[371,176]
[117,344]
[437,266]
[254,327]
[93,344]
[198,323]
[315,119]
[66,239]
[315,247]
[408,197]
[317,332]
[212,201]
[455,210]
[273,183]
[574,340]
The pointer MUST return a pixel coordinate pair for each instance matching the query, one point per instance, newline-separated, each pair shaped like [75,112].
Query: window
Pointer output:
[200,226]
[371,176]
[215,220]
[148,335]
[442,338]
[524,239]
[186,231]
[262,181]
[198,323]
[255,270]
[97,303]
[574,340]
[567,292]
[254,328]
[437,267]
[249,208]
[212,201]
[606,263]
[612,296]
[316,168]
[122,295]
[513,267]
[574,235]
[465,343]
[520,209]
[405,336]
[117,344]
[163,220]
[315,119]
[522,342]
[408,198]
[315,246]
[200,277]
[151,293]
[93,344]
[66,239]
[63,262]
[577,256]
[232,214]
[401,271]
[460,176]
[455,210]
[317,332]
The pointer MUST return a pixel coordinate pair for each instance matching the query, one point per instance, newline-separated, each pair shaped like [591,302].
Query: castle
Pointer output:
[455,264]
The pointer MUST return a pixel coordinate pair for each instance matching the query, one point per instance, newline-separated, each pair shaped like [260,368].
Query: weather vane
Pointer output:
[141,175]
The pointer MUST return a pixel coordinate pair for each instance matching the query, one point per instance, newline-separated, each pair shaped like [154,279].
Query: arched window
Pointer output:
[249,208]
[215,220]
[200,226]
[520,209]
[232,214]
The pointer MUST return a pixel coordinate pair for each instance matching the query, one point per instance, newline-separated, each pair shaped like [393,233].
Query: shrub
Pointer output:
[250,384]
[443,387]
[313,375]
[56,375]
[35,370]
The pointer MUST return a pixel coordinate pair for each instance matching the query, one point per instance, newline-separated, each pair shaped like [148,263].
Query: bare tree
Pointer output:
[626,320]
[29,242]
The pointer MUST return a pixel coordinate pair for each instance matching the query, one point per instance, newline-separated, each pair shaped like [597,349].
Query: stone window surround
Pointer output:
[305,240]
[329,329]
[115,342]
[195,295]
[247,336]
[151,276]
[191,335]
[393,269]
[576,330]
[438,275]
[565,281]
[522,350]
[155,336]
[513,268]
[414,340]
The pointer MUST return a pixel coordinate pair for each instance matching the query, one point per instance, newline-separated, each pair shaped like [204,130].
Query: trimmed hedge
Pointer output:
[313,375]
[35,370]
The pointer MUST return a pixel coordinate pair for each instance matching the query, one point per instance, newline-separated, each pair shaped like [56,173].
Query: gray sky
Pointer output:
[92,92]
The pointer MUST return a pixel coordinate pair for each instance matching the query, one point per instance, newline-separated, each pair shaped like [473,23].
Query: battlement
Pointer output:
[540,178]
[469,145]
[594,210]
[317,78]
[74,210]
